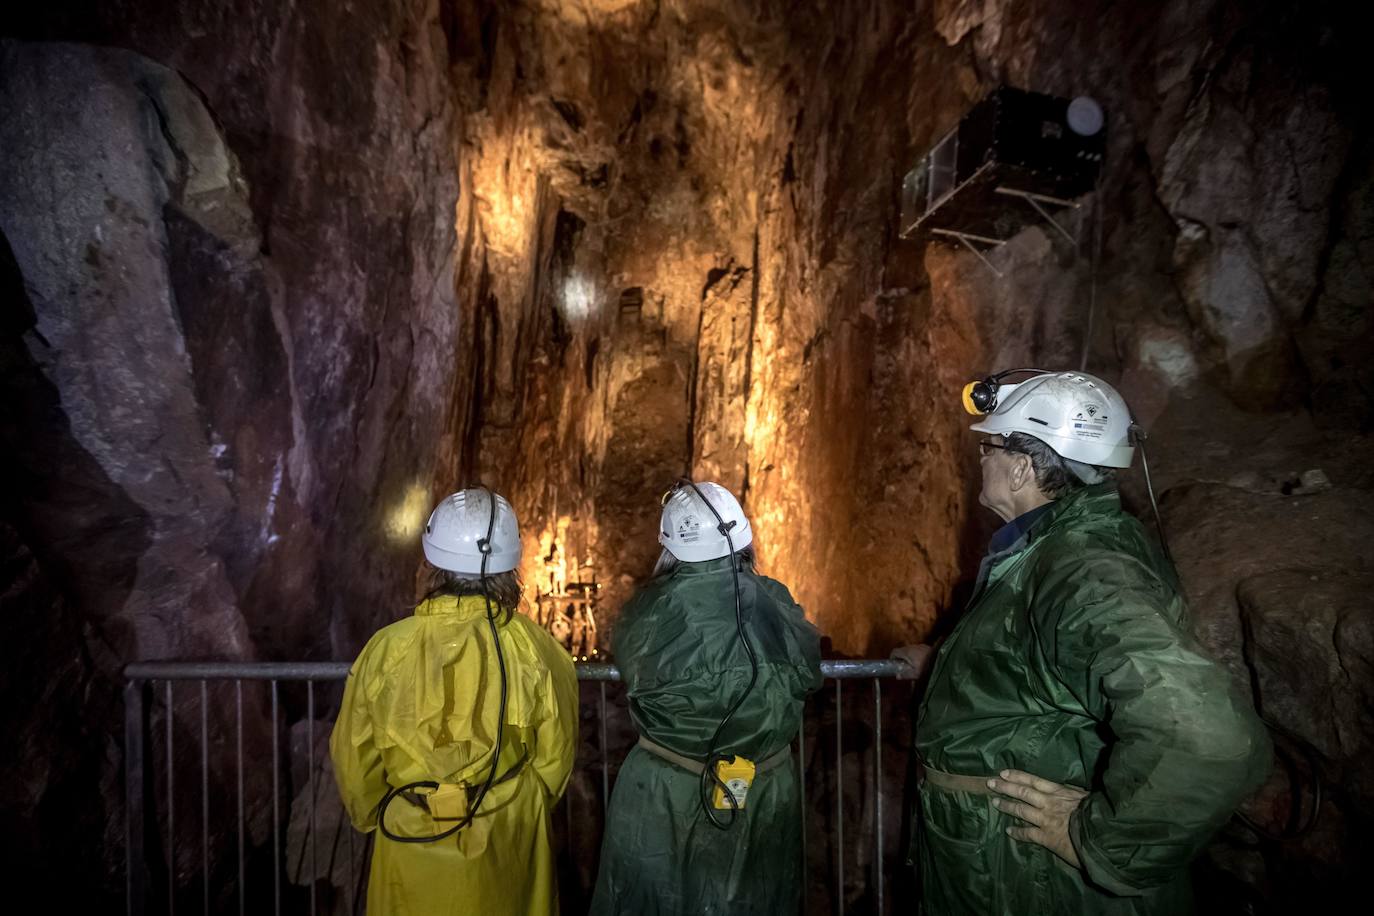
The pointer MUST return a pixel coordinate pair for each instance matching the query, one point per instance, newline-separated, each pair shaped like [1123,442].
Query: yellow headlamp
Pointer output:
[980,398]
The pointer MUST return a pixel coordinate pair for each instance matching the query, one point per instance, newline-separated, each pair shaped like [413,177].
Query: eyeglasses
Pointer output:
[985,447]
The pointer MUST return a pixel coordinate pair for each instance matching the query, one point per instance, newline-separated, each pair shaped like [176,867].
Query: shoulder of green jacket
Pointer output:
[1091,520]
[1087,543]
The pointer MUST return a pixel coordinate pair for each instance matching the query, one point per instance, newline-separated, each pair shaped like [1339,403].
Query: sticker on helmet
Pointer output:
[689,529]
[1090,422]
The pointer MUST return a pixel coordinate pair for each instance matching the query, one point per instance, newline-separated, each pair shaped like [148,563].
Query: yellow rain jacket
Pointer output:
[421,704]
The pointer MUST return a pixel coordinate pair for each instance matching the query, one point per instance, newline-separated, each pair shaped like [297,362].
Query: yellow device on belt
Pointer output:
[738,776]
[448,804]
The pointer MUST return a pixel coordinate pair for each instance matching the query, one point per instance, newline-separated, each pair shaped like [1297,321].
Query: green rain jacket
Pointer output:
[1075,662]
[683,667]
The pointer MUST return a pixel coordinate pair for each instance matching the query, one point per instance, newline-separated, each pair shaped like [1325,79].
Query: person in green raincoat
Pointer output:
[1077,745]
[684,667]
[423,704]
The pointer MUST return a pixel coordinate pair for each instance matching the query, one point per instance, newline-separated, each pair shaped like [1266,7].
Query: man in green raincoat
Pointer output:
[684,666]
[1078,747]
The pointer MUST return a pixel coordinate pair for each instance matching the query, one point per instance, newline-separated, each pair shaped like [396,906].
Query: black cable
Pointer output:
[709,777]
[1297,824]
[1093,257]
[987,389]
[484,546]
[1138,435]
[1006,372]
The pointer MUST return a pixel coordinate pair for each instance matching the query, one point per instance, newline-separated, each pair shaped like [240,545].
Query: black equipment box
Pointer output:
[1012,151]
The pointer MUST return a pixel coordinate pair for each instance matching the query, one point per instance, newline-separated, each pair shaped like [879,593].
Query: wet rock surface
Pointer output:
[277,275]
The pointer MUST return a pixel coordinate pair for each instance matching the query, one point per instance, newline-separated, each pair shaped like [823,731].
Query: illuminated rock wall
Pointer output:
[347,257]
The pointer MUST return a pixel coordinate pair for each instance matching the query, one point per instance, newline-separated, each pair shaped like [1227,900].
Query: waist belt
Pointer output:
[950,782]
[696,766]
[418,800]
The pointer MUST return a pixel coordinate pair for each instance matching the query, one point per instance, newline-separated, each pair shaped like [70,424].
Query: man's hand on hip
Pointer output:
[1046,806]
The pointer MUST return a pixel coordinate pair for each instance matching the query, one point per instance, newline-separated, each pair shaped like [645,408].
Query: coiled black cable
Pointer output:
[484,546]
[710,779]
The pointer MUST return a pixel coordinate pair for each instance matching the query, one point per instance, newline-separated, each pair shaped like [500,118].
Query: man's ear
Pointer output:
[1022,472]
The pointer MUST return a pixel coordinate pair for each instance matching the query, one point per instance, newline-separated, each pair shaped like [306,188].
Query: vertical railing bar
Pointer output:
[878,783]
[334,849]
[801,777]
[238,751]
[135,902]
[361,868]
[839,800]
[205,795]
[605,761]
[568,814]
[310,759]
[276,809]
[136,720]
[171,807]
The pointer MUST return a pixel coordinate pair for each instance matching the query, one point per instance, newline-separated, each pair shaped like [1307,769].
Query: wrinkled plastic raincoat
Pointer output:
[1075,662]
[683,667]
[421,703]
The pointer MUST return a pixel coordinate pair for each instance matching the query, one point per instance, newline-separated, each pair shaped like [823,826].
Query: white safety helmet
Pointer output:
[1078,415]
[457,526]
[688,529]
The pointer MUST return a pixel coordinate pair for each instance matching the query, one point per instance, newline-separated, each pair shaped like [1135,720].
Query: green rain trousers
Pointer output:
[683,667]
[1075,662]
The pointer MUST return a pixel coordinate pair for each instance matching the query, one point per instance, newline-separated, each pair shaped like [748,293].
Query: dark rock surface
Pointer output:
[229,343]
[276,275]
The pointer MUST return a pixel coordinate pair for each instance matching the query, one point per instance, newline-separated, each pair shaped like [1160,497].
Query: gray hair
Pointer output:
[504,588]
[667,563]
[1055,475]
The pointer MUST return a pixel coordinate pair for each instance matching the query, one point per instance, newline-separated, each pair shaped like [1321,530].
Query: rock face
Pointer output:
[275,276]
[108,335]
[105,361]
[721,182]
[229,325]
[1289,616]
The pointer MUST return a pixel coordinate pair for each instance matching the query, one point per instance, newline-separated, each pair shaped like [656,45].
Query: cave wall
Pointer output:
[317,305]
[733,166]
[718,301]
[342,259]
[229,353]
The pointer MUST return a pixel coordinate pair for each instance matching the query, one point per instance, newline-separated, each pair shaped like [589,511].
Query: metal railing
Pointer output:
[141,700]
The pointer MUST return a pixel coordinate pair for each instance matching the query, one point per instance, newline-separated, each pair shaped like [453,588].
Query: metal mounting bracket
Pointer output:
[1036,200]
[968,238]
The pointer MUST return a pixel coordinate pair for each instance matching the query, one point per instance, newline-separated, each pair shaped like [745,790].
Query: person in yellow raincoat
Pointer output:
[422,705]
